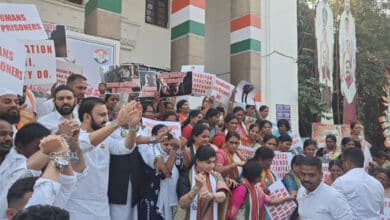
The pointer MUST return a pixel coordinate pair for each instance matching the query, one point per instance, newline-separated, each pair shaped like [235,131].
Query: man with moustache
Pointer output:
[90,200]
[6,134]
[317,200]
[9,107]
[64,101]
[78,84]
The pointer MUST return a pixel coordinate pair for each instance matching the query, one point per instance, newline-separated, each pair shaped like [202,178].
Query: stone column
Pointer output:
[187,33]
[245,45]
[103,18]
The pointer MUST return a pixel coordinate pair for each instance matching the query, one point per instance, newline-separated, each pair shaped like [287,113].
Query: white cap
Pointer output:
[5,91]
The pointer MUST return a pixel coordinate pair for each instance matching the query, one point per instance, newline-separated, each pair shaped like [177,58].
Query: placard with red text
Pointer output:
[12,64]
[284,210]
[40,62]
[281,164]
[21,21]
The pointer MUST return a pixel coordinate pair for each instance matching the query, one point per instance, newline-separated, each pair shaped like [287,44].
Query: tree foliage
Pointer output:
[372,22]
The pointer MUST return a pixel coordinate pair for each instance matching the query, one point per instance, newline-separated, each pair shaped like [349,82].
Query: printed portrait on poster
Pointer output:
[325,42]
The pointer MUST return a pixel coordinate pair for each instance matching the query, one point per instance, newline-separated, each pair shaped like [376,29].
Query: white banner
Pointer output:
[281,164]
[192,68]
[174,127]
[12,64]
[65,69]
[284,210]
[222,91]
[202,84]
[21,21]
[40,62]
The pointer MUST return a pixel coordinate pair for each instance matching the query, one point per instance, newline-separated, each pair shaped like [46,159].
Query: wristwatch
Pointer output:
[61,163]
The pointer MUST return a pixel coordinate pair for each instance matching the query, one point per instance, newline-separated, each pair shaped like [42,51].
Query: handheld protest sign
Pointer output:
[12,64]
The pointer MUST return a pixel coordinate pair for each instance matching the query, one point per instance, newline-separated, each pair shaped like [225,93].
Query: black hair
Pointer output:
[285,123]
[179,104]
[345,141]
[284,138]
[353,124]
[336,162]
[269,137]
[230,117]
[193,114]
[263,153]
[263,107]
[167,114]
[203,121]
[312,162]
[308,142]
[29,133]
[211,112]
[17,191]
[249,106]
[354,155]
[297,160]
[42,212]
[237,109]
[145,107]
[60,88]
[332,137]
[87,105]
[252,171]
[156,128]
[74,77]
[252,126]
[231,134]
[264,122]
[204,153]
[197,130]
[107,96]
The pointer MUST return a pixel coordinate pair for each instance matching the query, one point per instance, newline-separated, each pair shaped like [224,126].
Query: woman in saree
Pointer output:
[229,159]
[247,198]
[200,135]
[201,190]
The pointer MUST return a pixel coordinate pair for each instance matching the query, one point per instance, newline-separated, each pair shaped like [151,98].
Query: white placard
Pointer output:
[40,62]
[12,64]
[202,83]
[222,91]
[281,164]
[192,68]
[174,127]
[21,21]
[65,69]
[284,210]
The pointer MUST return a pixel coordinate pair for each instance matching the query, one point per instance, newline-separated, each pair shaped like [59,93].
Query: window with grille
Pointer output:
[156,12]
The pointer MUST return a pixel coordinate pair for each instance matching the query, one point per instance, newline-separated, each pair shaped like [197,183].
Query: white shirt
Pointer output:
[364,194]
[49,192]
[53,119]
[324,203]
[13,167]
[48,106]
[89,201]
[45,108]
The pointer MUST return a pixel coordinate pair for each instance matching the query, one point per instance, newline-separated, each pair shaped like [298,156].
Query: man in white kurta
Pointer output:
[317,200]
[90,201]
[364,194]
[64,101]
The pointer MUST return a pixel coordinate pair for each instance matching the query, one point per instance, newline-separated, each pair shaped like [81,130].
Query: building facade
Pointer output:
[254,40]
